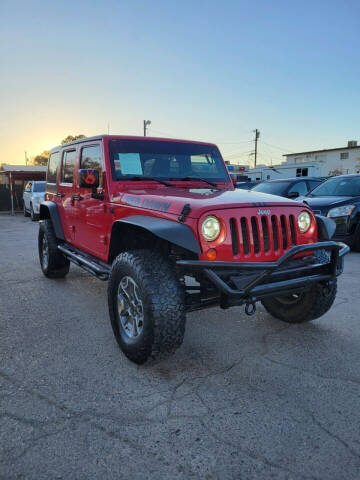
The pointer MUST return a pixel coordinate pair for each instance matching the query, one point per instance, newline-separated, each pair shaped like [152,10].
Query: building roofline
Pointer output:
[24,168]
[319,151]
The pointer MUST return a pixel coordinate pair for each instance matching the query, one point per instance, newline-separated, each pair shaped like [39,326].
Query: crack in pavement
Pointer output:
[80,417]
[256,456]
[314,374]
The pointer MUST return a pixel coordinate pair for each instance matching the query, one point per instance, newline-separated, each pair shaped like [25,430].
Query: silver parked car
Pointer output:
[32,197]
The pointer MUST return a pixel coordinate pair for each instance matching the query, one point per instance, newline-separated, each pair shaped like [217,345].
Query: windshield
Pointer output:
[39,187]
[275,188]
[338,187]
[166,160]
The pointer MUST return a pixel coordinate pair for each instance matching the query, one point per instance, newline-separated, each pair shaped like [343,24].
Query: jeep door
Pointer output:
[92,217]
[65,192]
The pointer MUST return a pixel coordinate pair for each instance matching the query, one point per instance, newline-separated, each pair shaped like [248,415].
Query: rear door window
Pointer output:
[299,187]
[313,183]
[68,166]
[91,158]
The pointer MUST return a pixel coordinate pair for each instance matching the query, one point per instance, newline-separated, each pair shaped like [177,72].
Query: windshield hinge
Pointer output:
[184,212]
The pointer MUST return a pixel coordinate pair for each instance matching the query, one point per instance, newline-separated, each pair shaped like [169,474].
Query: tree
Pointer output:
[71,138]
[41,159]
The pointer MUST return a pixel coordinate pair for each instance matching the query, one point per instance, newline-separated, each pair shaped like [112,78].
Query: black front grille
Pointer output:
[283,232]
[260,234]
[275,232]
[245,236]
[265,230]
[255,235]
[234,237]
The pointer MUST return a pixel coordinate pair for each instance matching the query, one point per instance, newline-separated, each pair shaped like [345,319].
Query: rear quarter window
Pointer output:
[68,166]
[53,167]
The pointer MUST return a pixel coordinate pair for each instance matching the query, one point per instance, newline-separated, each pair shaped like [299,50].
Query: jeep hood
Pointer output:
[172,199]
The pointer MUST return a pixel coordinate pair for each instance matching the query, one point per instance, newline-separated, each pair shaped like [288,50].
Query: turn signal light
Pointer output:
[211,254]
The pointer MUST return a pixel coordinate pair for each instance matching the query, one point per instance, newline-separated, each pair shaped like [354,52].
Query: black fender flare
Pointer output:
[172,231]
[50,210]
[326,227]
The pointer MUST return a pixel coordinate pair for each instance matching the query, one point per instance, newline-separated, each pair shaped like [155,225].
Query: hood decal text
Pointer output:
[144,202]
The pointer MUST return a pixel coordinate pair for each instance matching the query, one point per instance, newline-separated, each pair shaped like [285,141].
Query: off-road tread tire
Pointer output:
[313,304]
[58,266]
[163,300]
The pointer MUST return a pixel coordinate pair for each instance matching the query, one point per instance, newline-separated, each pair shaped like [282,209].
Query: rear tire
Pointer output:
[53,263]
[146,306]
[305,307]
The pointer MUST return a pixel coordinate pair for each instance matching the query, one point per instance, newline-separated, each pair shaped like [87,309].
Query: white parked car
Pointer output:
[32,197]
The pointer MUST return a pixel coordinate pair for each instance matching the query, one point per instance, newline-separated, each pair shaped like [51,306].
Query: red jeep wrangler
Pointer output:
[161,221]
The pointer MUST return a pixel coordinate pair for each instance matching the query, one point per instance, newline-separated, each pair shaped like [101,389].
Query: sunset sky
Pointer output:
[200,70]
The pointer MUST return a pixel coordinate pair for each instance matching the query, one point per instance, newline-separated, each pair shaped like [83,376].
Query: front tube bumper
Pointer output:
[261,279]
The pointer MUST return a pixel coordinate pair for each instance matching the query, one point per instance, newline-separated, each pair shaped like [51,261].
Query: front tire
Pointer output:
[304,307]
[146,306]
[53,263]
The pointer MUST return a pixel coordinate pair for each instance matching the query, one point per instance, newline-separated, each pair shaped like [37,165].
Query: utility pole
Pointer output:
[257,135]
[26,159]
[146,124]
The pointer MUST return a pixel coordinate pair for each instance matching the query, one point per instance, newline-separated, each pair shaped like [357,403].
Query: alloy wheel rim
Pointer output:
[130,307]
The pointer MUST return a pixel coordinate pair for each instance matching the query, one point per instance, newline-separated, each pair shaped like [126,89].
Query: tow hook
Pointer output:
[250,307]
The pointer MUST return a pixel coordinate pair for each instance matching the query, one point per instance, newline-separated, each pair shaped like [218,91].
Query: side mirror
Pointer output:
[294,195]
[88,178]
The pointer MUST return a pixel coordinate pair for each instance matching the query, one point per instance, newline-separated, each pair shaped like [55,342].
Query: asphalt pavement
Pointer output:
[243,398]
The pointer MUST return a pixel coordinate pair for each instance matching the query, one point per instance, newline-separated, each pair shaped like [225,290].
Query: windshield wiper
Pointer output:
[140,177]
[189,179]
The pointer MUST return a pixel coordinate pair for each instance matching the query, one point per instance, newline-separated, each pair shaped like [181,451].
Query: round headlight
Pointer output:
[304,221]
[210,228]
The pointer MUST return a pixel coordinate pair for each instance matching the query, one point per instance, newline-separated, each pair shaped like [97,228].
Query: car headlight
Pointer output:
[210,228]
[304,221]
[341,211]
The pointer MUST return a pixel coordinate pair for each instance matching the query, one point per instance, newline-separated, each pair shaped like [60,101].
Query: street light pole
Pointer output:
[146,124]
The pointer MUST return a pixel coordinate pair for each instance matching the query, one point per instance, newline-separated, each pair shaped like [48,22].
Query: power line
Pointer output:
[236,154]
[277,147]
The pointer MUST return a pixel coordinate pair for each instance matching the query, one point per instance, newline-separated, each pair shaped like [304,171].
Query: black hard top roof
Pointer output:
[128,137]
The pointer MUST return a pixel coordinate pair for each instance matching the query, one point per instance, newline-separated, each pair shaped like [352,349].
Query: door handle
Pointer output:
[77,197]
[60,194]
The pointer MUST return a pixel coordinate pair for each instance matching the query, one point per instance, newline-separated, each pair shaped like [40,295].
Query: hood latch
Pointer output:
[184,212]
